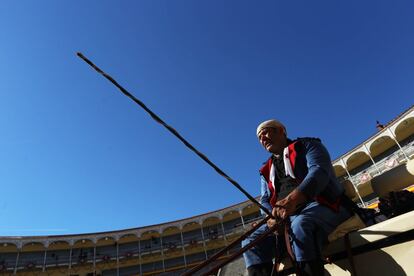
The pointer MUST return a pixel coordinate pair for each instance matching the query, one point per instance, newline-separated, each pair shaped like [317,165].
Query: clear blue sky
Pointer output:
[76,156]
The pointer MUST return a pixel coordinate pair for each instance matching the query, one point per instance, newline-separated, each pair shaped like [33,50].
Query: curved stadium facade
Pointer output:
[369,170]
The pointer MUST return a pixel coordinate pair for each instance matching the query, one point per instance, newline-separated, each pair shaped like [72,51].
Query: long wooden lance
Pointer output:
[175,133]
[220,253]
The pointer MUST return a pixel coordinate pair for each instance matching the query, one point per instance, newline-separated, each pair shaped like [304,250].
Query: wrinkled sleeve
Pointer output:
[265,195]
[319,164]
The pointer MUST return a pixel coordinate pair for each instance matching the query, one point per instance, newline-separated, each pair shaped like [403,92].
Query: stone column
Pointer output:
[242,219]
[182,246]
[398,144]
[162,253]
[139,256]
[353,185]
[204,242]
[17,261]
[372,160]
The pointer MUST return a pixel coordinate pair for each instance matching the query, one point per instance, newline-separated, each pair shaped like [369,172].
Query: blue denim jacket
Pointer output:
[313,168]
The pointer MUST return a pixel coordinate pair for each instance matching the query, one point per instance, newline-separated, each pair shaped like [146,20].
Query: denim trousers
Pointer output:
[310,228]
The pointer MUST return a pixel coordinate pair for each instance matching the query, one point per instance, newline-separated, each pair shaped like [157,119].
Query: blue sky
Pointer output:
[76,156]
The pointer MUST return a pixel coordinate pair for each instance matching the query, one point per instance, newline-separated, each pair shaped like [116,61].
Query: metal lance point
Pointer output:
[175,133]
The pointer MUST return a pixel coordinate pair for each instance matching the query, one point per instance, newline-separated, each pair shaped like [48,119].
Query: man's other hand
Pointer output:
[289,204]
[271,223]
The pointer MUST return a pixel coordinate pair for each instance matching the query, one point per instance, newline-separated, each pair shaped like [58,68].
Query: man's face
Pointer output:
[273,140]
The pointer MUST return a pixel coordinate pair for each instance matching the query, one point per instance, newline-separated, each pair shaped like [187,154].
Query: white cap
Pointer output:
[270,123]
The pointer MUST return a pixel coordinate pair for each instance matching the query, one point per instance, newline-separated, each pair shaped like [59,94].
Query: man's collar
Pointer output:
[288,142]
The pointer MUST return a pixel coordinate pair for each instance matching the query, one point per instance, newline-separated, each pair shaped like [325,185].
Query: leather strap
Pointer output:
[289,247]
[287,242]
